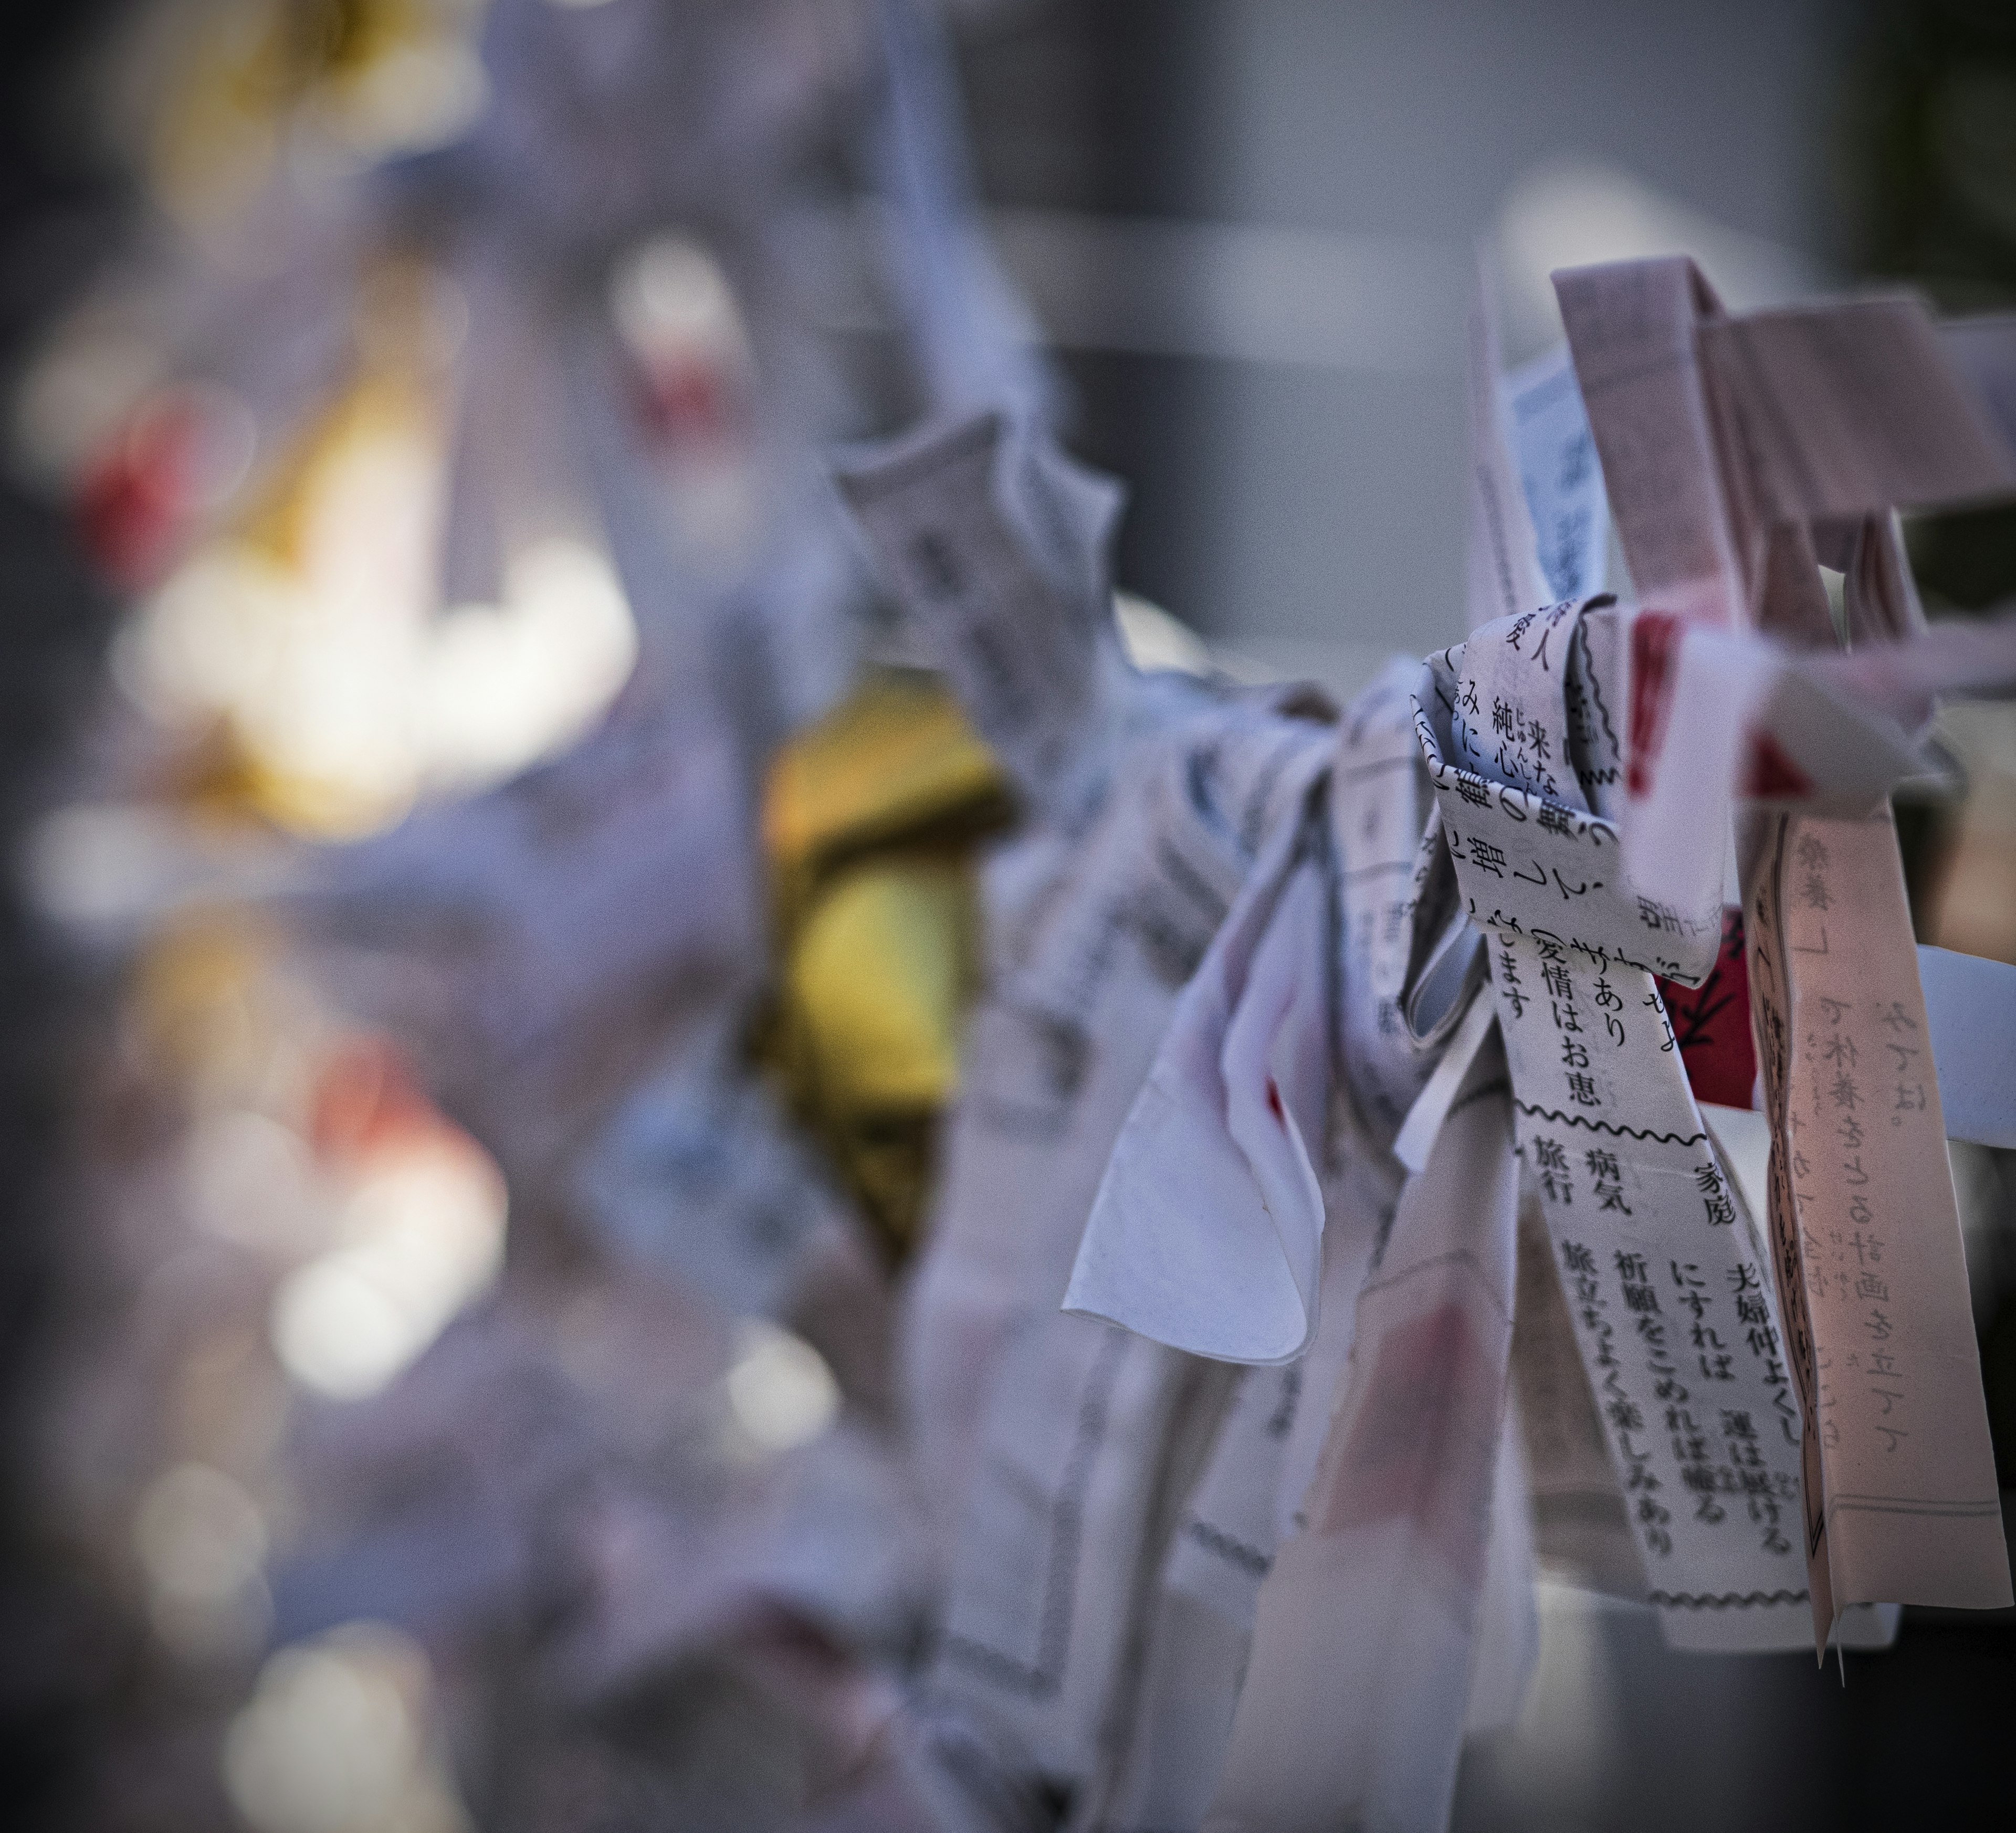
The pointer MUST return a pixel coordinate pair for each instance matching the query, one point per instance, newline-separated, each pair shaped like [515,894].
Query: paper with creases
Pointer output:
[1672,1316]
[1195,1655]
[1261,1464]
[1055,1445]
[1732,447]
[1353,1705]
[1900,1501]
[1787,437]
[995,545]
[1206,1233]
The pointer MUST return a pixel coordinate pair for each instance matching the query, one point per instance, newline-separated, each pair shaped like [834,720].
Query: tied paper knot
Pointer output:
[1287,1050]
[1738,451]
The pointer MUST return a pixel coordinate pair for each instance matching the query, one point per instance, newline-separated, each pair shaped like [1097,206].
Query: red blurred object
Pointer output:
[365,1099]
[133,502]
[1655,653]
[689,400]
[1772,773]
[1712,1023]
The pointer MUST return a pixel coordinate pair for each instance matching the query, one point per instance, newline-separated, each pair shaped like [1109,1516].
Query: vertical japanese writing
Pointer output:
[1622,1411]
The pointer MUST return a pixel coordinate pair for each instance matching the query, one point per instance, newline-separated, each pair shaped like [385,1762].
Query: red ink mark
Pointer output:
[690,400]
[1712,1023]
[133,501]
[1655,660]
[1274,1102]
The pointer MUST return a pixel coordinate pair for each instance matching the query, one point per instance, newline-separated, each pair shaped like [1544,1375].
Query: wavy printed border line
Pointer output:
[1641,1133]
[1728,1600]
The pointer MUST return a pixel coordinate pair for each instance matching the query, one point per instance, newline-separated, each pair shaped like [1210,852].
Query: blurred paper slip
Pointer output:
[1631,327]
[1730,448]
[1971,1011]
[1826,411]
[1852,407]
[1201,1623]
[1823,731]
[1505,573]
[1052,1436]
[1560,473]
[1354,1705]
[995,545]
[1983,350]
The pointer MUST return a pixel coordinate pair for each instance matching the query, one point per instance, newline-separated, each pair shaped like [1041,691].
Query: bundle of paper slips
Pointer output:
[1503,1121]
[1265,1179]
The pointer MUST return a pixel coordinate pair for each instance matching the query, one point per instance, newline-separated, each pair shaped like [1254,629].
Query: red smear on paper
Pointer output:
[1655,660]
[1772,773]
[690,400]
[1420,1447]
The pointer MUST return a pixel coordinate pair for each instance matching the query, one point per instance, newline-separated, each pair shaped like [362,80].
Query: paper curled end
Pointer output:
[1207,1231]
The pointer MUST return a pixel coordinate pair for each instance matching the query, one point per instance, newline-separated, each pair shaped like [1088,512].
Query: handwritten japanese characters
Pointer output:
[1901,1501]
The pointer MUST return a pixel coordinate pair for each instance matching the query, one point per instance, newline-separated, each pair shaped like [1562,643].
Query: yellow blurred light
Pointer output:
[880,975]
[868,816]
[309,637]
[415,96]
[213,1012]
[251,80]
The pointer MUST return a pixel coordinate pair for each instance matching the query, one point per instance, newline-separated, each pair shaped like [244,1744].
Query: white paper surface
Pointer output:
[1207,1232]
[1672,1315]
[1046,1439]
[1505,574]
[1264,1458]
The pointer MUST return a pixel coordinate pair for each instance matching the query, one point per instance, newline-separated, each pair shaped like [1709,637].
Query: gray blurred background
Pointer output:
[1251,224]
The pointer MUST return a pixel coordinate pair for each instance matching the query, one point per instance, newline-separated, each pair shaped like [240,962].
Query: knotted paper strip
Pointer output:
[1672,1313]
